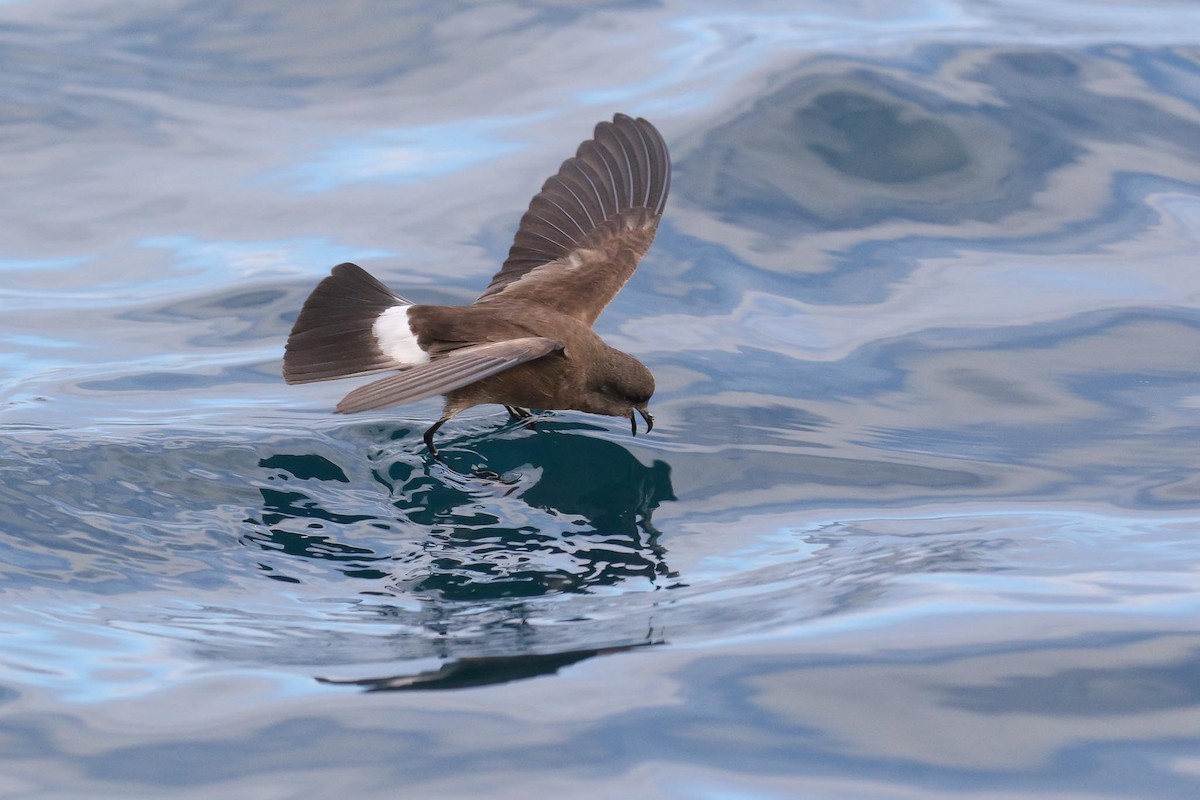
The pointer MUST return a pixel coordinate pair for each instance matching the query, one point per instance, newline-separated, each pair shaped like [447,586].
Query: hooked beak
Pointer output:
[646,415]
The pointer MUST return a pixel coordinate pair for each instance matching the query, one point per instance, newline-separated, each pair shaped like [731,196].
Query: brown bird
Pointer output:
[527,341]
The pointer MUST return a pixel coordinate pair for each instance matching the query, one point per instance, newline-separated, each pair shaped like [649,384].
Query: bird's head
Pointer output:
[621,386]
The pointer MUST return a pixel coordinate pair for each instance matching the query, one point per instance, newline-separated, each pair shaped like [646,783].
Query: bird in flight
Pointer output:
[527,341]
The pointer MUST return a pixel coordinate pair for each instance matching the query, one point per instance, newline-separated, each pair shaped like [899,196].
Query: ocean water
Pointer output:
[920,515]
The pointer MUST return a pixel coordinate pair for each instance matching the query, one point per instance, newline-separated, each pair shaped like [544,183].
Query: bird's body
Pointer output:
[527,341]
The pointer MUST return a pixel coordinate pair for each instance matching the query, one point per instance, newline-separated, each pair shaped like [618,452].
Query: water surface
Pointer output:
[917,519]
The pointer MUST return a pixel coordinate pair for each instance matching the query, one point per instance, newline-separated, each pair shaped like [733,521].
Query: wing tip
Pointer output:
[599,183]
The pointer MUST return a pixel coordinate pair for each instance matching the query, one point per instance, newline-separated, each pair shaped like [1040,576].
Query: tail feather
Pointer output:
[334,335]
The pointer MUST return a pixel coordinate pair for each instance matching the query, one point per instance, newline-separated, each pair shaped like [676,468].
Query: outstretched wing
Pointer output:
[446,374]
[591,223]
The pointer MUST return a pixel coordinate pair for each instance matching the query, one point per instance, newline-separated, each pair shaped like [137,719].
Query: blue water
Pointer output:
[919,517]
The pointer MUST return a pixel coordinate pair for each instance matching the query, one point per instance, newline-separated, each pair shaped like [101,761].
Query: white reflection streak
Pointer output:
[407,154]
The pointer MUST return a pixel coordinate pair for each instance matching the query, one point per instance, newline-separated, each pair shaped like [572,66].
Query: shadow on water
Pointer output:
[512,515]
[465,673]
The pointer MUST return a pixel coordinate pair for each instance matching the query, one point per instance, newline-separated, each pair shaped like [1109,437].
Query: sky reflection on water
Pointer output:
[917,517]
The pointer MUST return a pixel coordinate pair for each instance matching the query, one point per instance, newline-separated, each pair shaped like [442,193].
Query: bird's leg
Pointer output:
[433,451]
[522,414]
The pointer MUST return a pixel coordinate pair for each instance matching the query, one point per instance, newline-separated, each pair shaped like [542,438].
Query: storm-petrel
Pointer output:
[527,341]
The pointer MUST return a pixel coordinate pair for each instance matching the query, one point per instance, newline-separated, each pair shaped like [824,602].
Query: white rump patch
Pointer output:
[396,339]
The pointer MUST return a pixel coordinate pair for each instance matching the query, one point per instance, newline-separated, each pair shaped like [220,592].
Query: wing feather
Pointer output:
[460,368]
[590,224]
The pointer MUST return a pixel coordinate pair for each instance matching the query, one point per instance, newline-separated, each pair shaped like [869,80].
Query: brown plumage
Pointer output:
[527,341]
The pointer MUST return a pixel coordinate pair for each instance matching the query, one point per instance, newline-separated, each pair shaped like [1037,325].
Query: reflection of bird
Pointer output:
[527,341]
[467,672]
[571,514]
